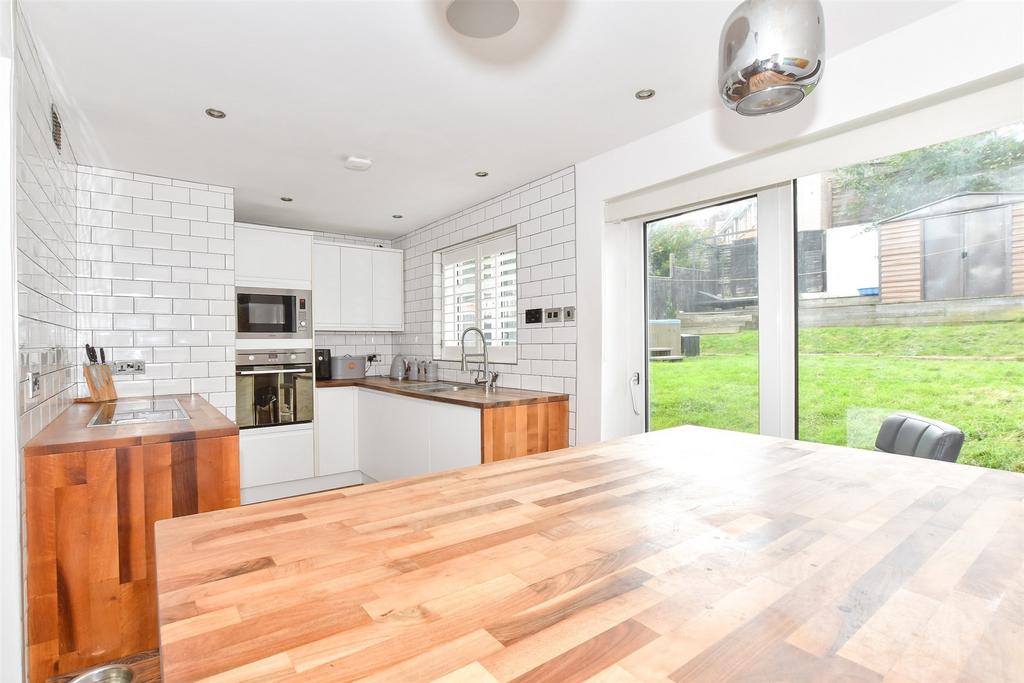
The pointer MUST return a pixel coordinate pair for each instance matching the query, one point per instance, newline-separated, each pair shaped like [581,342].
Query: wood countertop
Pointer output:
[69,432]
[688,554]
[468,394]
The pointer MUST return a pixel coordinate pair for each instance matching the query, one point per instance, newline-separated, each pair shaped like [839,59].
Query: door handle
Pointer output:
[271,372]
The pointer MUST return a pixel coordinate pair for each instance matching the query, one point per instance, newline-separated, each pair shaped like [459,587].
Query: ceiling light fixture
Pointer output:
[770,55]
[481,174]
[354,163]
[645,94]
[286,199]
[215,113]
[396,215]
[477,19]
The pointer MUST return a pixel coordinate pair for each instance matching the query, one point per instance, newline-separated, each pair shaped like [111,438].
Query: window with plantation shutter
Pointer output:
[478,289]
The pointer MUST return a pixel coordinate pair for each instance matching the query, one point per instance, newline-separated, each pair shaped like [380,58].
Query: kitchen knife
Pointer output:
[103,356]
[90,353]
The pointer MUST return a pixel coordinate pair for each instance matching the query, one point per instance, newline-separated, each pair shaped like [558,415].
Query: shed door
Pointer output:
[943,247]
[986,252]
[966,255]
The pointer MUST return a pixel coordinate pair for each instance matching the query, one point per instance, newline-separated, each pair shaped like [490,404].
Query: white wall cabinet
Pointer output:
[272,257]
[326,290]
[336,430]
[357,288]
[271,455]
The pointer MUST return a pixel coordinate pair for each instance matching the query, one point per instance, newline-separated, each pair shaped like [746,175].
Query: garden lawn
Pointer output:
[851,378]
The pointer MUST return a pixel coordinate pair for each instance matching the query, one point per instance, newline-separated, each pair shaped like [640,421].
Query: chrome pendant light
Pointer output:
[770,55]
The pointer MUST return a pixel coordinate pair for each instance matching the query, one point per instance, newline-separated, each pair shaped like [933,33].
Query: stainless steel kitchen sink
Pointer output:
[438,387]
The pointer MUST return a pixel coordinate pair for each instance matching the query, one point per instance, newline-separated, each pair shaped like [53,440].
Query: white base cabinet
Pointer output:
[335,419]
[270,455]
[403,437]
[386,436]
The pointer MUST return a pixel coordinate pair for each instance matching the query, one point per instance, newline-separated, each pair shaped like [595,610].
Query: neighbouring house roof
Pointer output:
[958,203]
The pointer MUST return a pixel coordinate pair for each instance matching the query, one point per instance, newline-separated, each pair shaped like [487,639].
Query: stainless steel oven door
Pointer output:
[262,313]
[273,393]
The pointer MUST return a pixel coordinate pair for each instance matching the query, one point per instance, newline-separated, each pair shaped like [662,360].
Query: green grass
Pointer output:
[851,378]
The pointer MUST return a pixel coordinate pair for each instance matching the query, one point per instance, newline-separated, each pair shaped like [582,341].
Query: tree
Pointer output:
[987,162]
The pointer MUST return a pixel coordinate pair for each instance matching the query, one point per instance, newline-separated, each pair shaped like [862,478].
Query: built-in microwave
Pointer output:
[263,313]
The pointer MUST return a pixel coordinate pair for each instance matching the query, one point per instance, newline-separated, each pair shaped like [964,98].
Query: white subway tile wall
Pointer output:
[544,214]
[156,281]
[45,224]
[357,343]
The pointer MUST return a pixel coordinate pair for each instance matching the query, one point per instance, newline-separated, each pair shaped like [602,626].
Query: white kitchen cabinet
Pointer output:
[336,430]
[272,257]
[326,286]
[392,435]
[271,455]
[357,288]
[403,437]
[388,286]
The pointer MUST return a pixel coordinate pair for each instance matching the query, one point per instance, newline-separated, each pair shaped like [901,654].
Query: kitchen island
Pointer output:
[93,493]
[688,554]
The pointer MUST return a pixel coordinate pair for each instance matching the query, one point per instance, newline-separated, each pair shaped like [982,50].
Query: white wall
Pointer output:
[157,281]
[852,91]
[543,212]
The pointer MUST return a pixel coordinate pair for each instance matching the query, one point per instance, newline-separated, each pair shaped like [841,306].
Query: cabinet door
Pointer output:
[356,288]
[454,436]
[393,440]
[273,258]
[326,287]
[388,310]
[336,430]
[271,455]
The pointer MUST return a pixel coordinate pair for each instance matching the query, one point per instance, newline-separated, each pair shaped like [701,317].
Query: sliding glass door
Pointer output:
[704,329]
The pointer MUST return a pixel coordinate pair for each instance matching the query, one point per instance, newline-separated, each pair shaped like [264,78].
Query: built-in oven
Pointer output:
[273,388]
[263,313]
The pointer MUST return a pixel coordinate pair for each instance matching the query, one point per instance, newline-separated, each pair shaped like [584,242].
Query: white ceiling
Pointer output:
[305,84]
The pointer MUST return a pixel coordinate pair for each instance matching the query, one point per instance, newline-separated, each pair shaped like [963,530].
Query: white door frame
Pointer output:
[776,254]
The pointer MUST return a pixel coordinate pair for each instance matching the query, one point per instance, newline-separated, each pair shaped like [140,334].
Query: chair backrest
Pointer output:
[921,437]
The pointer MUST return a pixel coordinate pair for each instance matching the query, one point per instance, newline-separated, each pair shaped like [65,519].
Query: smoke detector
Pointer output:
[354,163]
[482,19]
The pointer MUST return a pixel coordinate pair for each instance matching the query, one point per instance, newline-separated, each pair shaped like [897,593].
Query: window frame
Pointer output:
[503,355]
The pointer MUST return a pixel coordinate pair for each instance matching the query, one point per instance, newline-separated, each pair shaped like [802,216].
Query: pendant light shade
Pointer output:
[771,54]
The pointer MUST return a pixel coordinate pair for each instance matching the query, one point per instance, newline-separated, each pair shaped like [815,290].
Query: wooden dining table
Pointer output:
[688,554]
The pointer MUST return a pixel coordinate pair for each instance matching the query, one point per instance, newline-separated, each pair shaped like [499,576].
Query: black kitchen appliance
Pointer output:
[323,364]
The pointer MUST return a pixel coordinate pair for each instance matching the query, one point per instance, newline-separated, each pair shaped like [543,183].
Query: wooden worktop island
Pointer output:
[686,555]
[93,494]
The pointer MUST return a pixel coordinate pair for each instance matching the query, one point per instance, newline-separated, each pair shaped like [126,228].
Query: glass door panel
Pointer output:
[702,311]
[986,251]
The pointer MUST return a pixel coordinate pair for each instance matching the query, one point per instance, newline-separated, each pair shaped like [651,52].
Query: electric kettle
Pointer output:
[398,367]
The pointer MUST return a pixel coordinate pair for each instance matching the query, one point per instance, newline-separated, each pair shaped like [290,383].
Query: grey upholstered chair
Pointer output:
[921,437]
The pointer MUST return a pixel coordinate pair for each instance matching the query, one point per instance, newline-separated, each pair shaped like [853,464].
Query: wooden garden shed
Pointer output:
[968,245]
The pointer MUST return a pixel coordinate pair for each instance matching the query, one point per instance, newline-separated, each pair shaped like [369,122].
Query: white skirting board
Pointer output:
[299,487]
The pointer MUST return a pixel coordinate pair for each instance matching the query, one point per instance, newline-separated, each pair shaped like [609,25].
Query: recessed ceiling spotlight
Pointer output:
[354,163]
[396,215]
[481,174]
[215,113]
[286,199]
[476,19]
[645,94]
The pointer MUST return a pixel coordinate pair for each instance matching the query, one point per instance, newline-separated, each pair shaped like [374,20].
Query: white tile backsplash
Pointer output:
[544,215]
[154,289]
[45,239]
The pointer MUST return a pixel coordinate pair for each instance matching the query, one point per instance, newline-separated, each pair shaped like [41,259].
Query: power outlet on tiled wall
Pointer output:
[544,214]
[156,279]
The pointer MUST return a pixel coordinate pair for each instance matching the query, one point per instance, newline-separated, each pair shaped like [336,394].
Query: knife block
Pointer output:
[100,381]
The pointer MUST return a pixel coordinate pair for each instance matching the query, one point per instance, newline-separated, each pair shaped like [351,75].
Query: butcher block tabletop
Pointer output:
[688,554]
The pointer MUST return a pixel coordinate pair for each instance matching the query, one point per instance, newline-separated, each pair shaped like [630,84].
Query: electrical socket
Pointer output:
[32,386]
[128,367]
[569,314]
[552,315]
